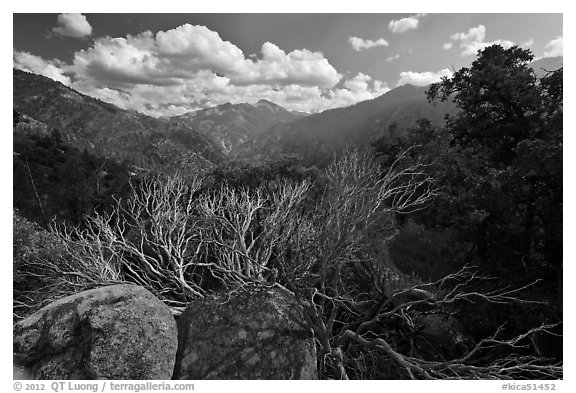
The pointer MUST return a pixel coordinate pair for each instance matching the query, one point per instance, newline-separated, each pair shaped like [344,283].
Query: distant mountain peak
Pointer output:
[264,101]
[269,104]
[318,137]
[229,125]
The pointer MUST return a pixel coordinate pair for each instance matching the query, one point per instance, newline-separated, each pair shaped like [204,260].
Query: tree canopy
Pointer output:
[498,162]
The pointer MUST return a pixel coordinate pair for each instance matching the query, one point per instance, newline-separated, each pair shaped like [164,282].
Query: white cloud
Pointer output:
[191,67]
[473,41]
[120,62]
[52,69]
[422,78]
[207,89]
[528,43]
[392,58]
[177,54]
[73,25]
[197,47]
[555,47]
[447,46]
[358,84]
[474,34]
[403,25]
[354,90]
[277,67]
[359,44]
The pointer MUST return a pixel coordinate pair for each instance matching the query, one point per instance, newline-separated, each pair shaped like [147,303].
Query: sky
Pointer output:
[169,64]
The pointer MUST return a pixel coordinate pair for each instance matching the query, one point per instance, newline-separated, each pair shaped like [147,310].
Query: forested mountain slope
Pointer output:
[109,131]
[317,138]
[230,125]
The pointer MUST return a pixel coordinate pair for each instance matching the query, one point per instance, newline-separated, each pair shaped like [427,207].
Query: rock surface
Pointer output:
[114,332]
[256,333]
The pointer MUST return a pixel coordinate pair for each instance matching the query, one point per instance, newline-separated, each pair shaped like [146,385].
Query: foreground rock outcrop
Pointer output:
[258,333]
[114,332]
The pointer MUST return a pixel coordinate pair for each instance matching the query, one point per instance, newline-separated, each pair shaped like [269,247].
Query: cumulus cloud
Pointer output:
[208,90]
[405,24]
[300,66]
[447,46]
[192,67]
[474,34]
[354,90]
[358,84]
[422,78]
[392,58]
[359,44]
[53,69]
[474,40]
[555,47]
[196,47]
[168,57]
[528,43]
[73,25]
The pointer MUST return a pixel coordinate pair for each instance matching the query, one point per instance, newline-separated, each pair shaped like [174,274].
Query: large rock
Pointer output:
[114,332]
[258,333]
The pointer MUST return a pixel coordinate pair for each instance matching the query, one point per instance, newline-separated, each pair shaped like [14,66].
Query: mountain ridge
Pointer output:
[317,138]
[201,139]
[229,125]
[104,129]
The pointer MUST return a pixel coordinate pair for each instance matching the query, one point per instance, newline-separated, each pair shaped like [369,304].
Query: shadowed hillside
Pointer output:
[231,125]
[317,138]
[109,131]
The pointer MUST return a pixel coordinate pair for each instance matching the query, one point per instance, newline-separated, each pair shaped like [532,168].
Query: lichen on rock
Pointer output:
[254,333]
[113,332]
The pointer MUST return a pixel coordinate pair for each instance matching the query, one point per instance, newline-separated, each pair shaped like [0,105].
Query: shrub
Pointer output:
[44,268]
[177,240]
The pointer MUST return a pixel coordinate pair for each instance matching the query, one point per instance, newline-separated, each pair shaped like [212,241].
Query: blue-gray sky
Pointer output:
[163,64]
